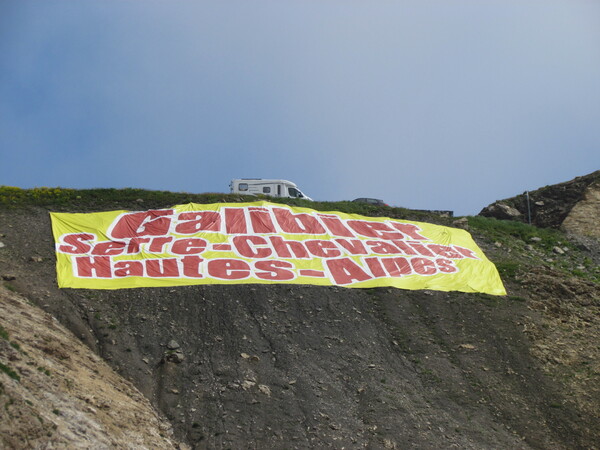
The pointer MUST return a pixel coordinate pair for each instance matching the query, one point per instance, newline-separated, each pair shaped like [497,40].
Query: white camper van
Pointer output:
[273,188]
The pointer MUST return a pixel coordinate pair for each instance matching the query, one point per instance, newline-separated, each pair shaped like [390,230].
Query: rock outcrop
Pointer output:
[583,217]
[573,206]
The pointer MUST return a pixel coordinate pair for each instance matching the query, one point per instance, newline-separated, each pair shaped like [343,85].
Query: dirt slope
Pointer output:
[312,367]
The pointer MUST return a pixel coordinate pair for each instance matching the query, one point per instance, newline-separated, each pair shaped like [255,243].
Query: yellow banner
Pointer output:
[262,242]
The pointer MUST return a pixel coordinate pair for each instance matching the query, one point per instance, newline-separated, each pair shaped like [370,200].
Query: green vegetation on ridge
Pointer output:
[521,246]
[504,231]
[135,199]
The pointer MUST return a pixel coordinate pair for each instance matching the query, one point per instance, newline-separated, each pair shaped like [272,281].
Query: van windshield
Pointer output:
[294,192]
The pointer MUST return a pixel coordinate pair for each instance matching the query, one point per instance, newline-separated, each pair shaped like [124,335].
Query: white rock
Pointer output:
[264,389]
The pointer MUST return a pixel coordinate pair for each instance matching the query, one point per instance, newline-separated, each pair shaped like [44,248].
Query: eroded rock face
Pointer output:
[56,393]
[583,218]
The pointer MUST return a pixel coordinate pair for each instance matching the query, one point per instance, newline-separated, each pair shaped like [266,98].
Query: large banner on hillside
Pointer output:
[262,242]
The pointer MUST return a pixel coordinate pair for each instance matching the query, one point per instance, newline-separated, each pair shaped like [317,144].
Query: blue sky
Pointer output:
[425,104]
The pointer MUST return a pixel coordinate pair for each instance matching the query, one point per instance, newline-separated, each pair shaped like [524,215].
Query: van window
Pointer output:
[293,192]
[243,186]
[266,190]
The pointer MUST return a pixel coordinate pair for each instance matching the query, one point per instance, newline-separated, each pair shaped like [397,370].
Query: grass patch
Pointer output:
[3,333]
[44,371]
[11,373]
[490,300]
[505,230]
[508,269]
[98,198]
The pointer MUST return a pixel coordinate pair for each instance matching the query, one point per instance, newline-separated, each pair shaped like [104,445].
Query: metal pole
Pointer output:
[528,207]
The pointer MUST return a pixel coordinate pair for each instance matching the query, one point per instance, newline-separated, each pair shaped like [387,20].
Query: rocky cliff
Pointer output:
[283,366]
[573,206]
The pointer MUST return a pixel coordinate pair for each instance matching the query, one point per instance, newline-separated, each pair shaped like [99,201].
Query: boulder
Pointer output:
[501,211]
